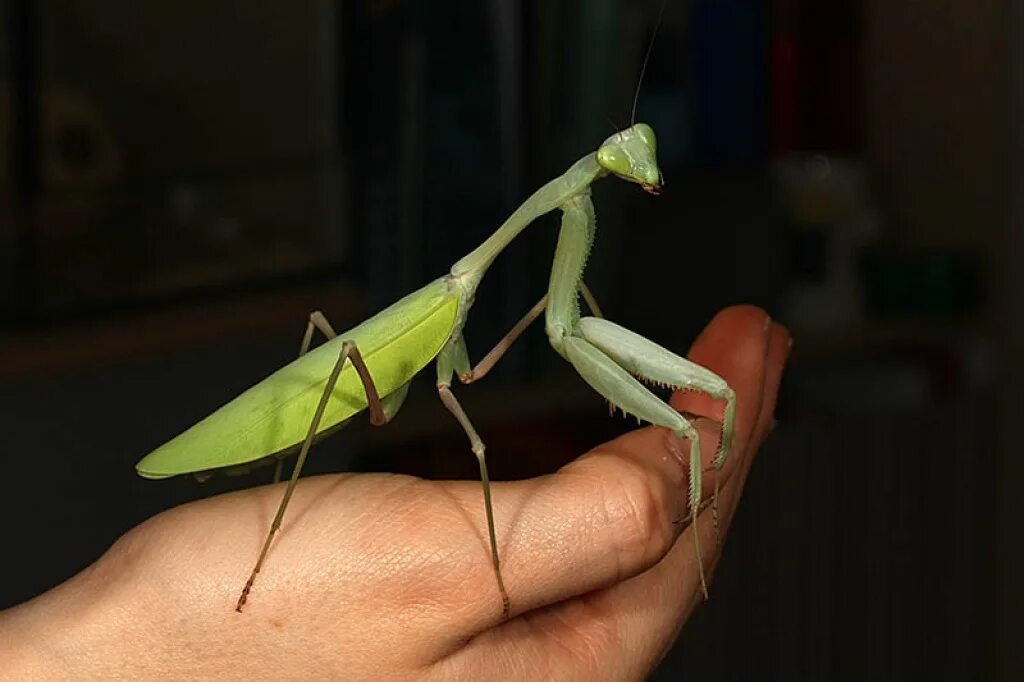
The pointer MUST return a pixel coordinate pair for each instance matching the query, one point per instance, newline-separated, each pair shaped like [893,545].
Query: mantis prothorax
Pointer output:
[369,367]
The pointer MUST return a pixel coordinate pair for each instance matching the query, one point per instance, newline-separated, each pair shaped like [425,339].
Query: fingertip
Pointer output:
[780,345]
[736,317]
[734,345]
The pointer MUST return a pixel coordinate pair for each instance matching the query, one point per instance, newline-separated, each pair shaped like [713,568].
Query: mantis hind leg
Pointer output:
[349,353]
[317,320]
[389,403]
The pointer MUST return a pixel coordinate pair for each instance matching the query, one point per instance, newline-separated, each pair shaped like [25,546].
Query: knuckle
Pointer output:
[634,506]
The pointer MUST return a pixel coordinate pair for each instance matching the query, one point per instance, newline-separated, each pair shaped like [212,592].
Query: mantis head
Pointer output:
[631,154]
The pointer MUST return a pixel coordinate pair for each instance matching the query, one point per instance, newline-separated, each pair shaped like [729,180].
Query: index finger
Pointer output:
[740,364]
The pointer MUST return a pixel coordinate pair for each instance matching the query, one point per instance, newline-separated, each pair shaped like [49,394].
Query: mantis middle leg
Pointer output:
[316,321]
[454,359]
[488,362]
[608,356]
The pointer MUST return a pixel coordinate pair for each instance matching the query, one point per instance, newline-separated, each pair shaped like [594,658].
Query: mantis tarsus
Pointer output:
[369,367]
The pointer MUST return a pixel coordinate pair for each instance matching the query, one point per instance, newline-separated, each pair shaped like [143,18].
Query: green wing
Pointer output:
[274,415]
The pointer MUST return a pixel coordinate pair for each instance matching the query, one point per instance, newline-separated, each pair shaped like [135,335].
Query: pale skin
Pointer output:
[380,577]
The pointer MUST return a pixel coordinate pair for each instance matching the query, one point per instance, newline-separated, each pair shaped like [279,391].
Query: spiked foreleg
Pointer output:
[647,360]
[603,371]
[574,241]
[622,390]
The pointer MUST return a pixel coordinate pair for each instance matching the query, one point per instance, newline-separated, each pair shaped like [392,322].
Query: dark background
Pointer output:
[182,183]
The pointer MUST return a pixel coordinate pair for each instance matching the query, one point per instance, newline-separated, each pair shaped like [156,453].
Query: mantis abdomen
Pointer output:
[272,416]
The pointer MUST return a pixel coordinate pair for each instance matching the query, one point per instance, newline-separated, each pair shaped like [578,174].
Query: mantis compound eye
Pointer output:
[614,159]
[646,133]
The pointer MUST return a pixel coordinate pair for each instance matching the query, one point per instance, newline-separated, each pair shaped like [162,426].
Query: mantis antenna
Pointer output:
[647,57]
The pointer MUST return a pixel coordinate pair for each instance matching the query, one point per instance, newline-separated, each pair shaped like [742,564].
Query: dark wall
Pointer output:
[181,186]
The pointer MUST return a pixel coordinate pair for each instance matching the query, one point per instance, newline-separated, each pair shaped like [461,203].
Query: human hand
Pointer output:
[389,577]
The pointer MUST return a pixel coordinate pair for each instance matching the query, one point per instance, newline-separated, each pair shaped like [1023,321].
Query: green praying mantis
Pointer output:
[370,366]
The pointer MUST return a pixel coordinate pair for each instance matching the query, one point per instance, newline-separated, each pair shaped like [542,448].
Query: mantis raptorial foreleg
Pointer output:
[608,356]
[653,363]
[648,360]
[378,417]
[620,388]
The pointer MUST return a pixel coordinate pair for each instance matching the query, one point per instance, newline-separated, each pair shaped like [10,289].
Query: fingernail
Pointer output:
[674,444]
[767,323]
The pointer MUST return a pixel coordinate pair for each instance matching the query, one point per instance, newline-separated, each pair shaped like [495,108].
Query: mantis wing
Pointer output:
[274,415]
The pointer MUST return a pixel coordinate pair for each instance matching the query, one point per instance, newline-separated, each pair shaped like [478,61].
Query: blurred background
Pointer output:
[181,184]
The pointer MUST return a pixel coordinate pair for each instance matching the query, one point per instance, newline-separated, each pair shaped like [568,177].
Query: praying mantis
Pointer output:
[370,366]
